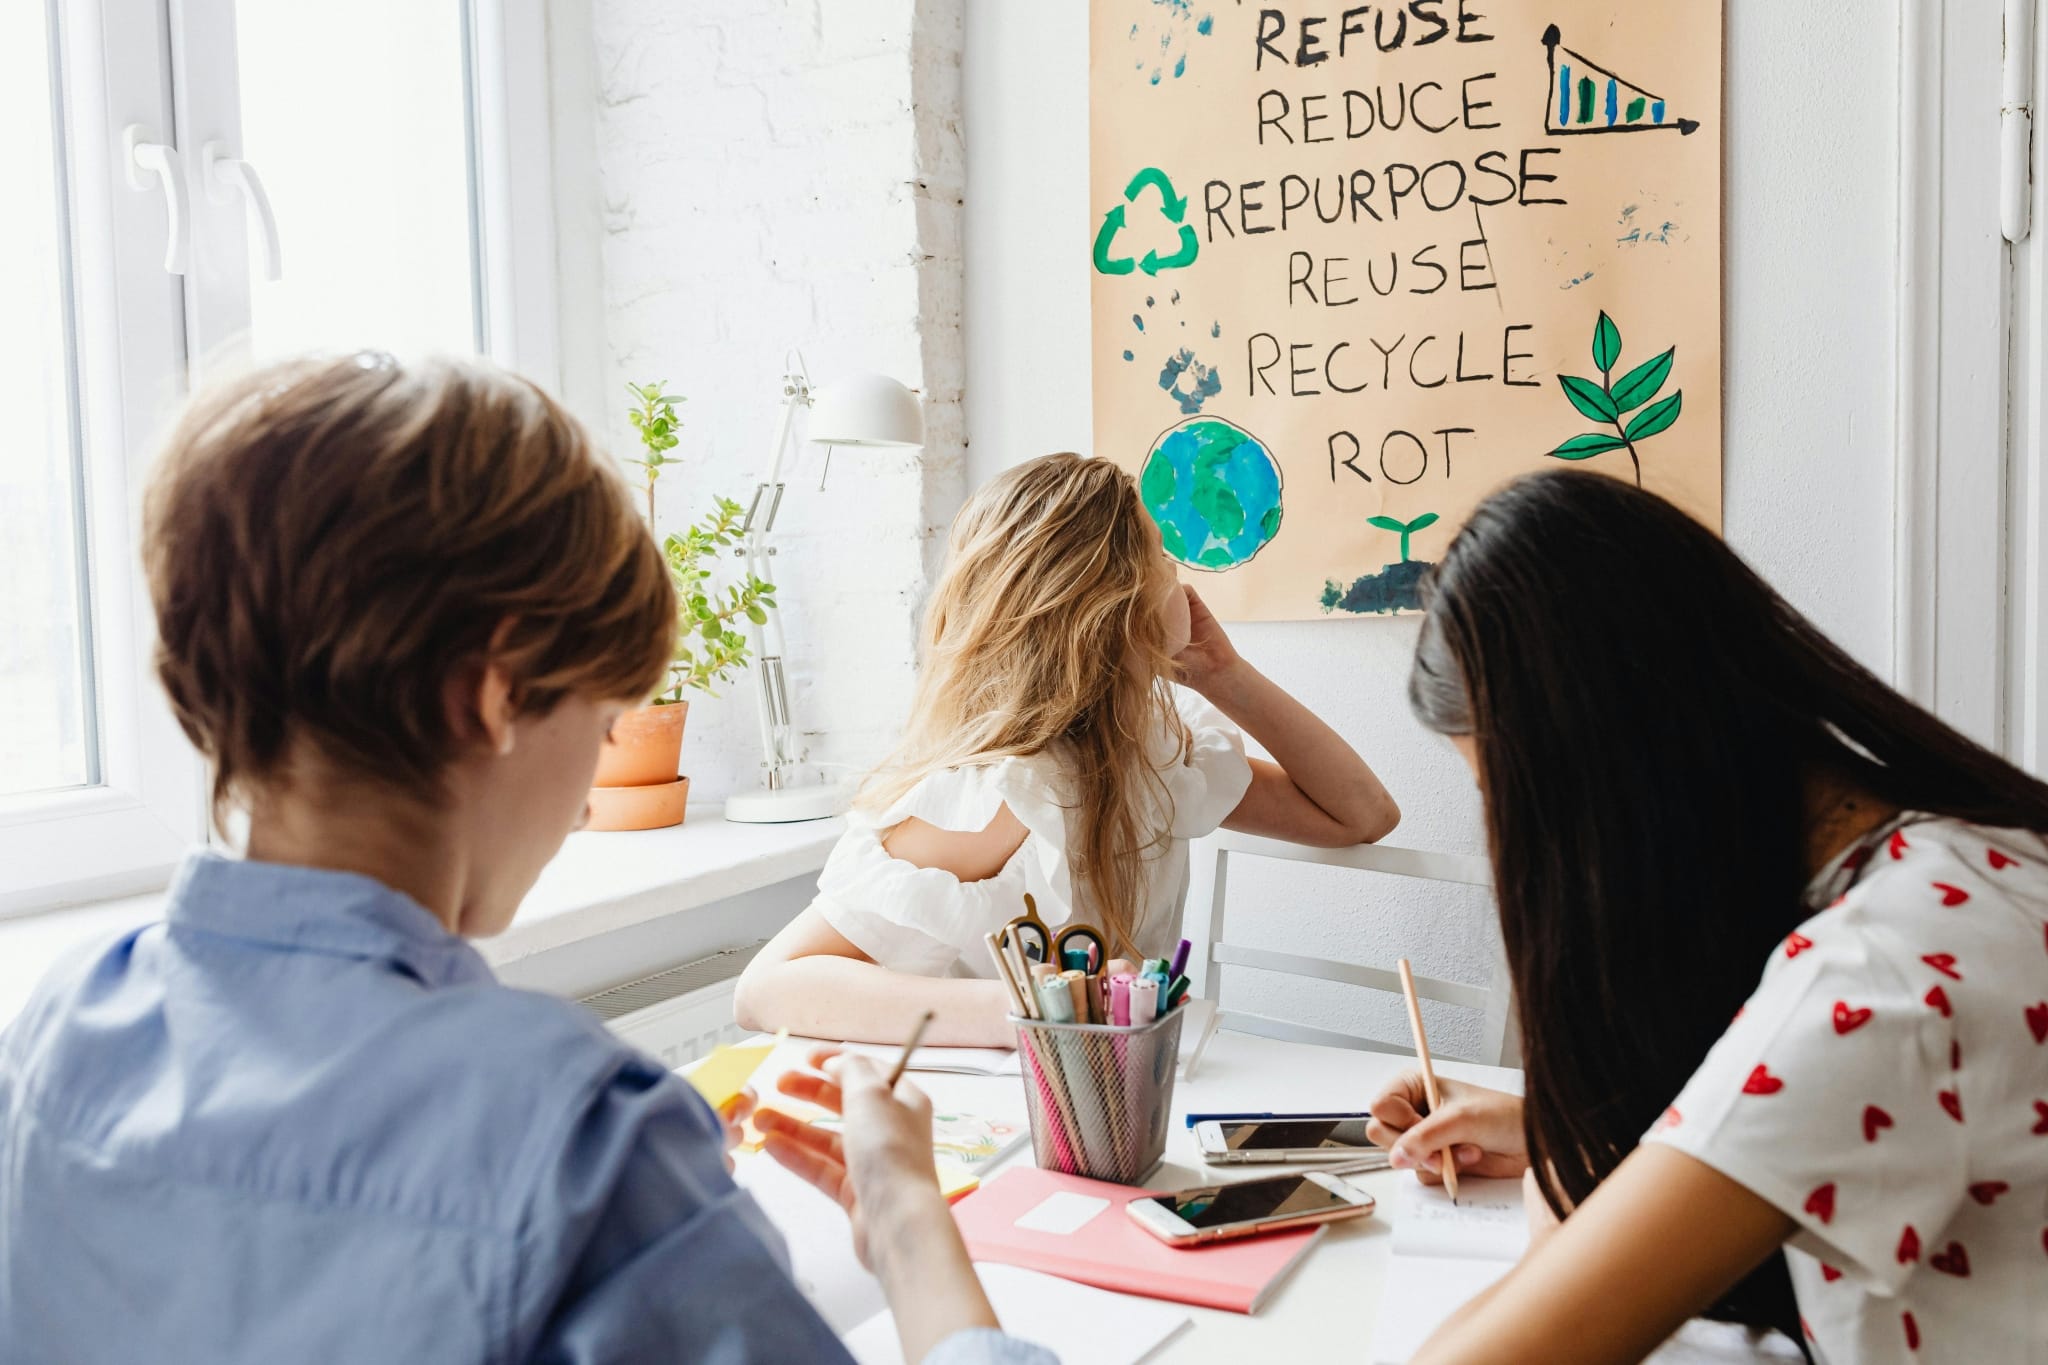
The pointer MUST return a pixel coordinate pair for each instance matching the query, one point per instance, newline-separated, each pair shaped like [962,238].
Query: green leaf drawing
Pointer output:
[1403,528]
[1606,343]
[1589,398]
[1587,446]
[1640,385]
[1610,401]
[1654,418]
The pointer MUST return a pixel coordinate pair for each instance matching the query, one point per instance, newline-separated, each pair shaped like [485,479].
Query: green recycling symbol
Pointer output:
[1113,222]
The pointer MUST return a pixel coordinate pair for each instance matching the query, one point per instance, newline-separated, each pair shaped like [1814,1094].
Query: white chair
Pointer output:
[1204,920]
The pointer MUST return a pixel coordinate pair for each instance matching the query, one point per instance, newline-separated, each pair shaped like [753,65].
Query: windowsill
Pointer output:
[598,884]
[601,883]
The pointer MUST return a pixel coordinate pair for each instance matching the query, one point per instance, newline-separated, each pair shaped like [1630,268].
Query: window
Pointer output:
[198,186]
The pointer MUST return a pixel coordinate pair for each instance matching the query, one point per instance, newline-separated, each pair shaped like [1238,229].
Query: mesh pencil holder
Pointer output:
[1099,1096]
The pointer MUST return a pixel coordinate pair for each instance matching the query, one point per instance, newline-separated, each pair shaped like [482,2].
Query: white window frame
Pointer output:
[142,334]
[126,833]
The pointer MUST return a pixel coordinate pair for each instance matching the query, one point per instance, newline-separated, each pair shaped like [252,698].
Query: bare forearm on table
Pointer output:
[844,997]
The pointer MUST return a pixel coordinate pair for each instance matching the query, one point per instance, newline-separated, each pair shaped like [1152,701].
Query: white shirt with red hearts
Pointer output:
[1887,1087]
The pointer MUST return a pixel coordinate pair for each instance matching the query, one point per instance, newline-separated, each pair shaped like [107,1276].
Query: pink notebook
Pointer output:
[1077,1229]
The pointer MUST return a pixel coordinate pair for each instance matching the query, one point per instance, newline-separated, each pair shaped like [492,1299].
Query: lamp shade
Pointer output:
[865,410]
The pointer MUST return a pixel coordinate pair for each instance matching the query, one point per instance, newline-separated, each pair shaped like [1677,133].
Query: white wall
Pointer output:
[1810,213]
[735,180]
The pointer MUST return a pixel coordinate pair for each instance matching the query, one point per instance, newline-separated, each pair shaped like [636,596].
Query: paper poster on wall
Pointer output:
[1354,266]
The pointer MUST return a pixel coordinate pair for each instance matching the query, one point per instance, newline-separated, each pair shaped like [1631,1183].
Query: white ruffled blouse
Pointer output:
[927,921]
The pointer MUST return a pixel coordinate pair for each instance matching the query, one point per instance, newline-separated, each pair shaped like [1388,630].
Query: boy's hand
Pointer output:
[1209,653]
[880,1167]
[734,1115]
[1483,1128]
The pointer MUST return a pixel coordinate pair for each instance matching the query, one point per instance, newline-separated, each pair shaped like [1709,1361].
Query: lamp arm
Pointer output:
[777,727]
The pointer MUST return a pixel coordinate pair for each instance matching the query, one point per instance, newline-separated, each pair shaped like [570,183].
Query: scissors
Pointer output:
[1080,947]
[1030,935]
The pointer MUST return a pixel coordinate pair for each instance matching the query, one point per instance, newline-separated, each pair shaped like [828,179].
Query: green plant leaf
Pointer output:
[1640,385]
[1655,418]
[1385,523]
[1589,398]
[1426,519]
[1587,446]
[1606,343]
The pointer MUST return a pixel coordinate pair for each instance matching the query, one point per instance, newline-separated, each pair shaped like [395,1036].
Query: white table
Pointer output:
[1324,1310]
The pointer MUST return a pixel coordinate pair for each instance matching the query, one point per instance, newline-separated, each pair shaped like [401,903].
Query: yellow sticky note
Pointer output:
[720,1077]
[955,1183]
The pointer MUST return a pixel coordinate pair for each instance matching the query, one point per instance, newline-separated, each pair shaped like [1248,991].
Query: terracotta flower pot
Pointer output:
[636,785]
[646,747]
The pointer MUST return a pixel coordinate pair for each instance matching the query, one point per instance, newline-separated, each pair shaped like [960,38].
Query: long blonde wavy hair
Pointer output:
[1045,631]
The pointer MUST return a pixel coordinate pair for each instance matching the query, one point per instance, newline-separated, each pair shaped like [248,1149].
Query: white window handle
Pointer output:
[226,176]
[143,159]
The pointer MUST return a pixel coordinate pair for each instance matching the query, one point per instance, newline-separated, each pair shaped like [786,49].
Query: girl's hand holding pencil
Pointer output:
[1482,1127]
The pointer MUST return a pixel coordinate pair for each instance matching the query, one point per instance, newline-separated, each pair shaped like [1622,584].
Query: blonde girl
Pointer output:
[1049,751]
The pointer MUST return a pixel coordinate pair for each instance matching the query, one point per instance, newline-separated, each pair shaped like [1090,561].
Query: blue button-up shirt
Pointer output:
[299,1120]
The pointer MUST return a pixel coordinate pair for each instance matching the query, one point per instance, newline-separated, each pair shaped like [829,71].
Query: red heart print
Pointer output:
[1951,895]
[1762,1082]
[2041,1118]
[1807,1328]
[1857,858]
[1999,861]
[1671,1119]
[1897,845]
[1938,998]
[1821,1203]
[1874,1118]
[1945,963]
[1953,1103]
[1909,1245]
[1954,1261]
[2037,1021]
[1986,1191]
[1829,1273]
[1848,1020]
[1912,1331]
[1797,943]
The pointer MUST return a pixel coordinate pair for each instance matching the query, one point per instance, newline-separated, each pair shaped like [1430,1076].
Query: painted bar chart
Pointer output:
[1591,98]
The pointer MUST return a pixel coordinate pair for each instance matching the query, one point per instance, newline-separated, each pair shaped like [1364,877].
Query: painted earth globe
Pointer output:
[1215,492]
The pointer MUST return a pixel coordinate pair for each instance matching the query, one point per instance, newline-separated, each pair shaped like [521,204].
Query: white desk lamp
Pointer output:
[863,410]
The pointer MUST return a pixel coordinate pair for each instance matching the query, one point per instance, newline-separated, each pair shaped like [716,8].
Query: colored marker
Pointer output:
[1177,992]
[1144,1000]
[1180,959]
[1055,1001]
[1120,999]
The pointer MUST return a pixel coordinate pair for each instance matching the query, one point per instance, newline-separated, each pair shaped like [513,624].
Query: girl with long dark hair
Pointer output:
[1779,943]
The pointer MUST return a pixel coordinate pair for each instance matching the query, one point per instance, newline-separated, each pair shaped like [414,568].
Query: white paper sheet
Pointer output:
[1445,1255]
[1079,1324]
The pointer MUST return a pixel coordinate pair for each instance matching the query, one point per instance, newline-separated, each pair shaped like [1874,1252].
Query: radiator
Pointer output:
[679,1014]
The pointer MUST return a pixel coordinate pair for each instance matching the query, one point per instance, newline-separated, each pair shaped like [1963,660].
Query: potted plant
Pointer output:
[637,784]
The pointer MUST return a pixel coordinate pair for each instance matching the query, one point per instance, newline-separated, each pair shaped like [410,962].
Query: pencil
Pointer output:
[1009,981]
[916,1037]
[1450,1164]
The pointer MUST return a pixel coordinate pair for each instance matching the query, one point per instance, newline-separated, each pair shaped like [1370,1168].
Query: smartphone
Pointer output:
[1215,1213]
[1290,1137]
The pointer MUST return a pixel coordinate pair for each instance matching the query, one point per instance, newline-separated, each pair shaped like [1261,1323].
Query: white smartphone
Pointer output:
[1215,1213]
[1289,1137]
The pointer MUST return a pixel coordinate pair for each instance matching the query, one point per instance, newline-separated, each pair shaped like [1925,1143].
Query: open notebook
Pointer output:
[1445,1254]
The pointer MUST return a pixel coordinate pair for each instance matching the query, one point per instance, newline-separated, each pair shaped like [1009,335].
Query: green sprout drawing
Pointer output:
[1611,400]
[1404,529]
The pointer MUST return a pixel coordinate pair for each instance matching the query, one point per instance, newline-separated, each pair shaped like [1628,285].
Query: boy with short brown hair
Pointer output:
[399,607]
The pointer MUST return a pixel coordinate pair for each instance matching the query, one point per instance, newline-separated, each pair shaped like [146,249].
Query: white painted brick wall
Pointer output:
[775,174]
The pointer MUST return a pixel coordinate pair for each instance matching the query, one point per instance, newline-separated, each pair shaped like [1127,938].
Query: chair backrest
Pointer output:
[1204,919]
